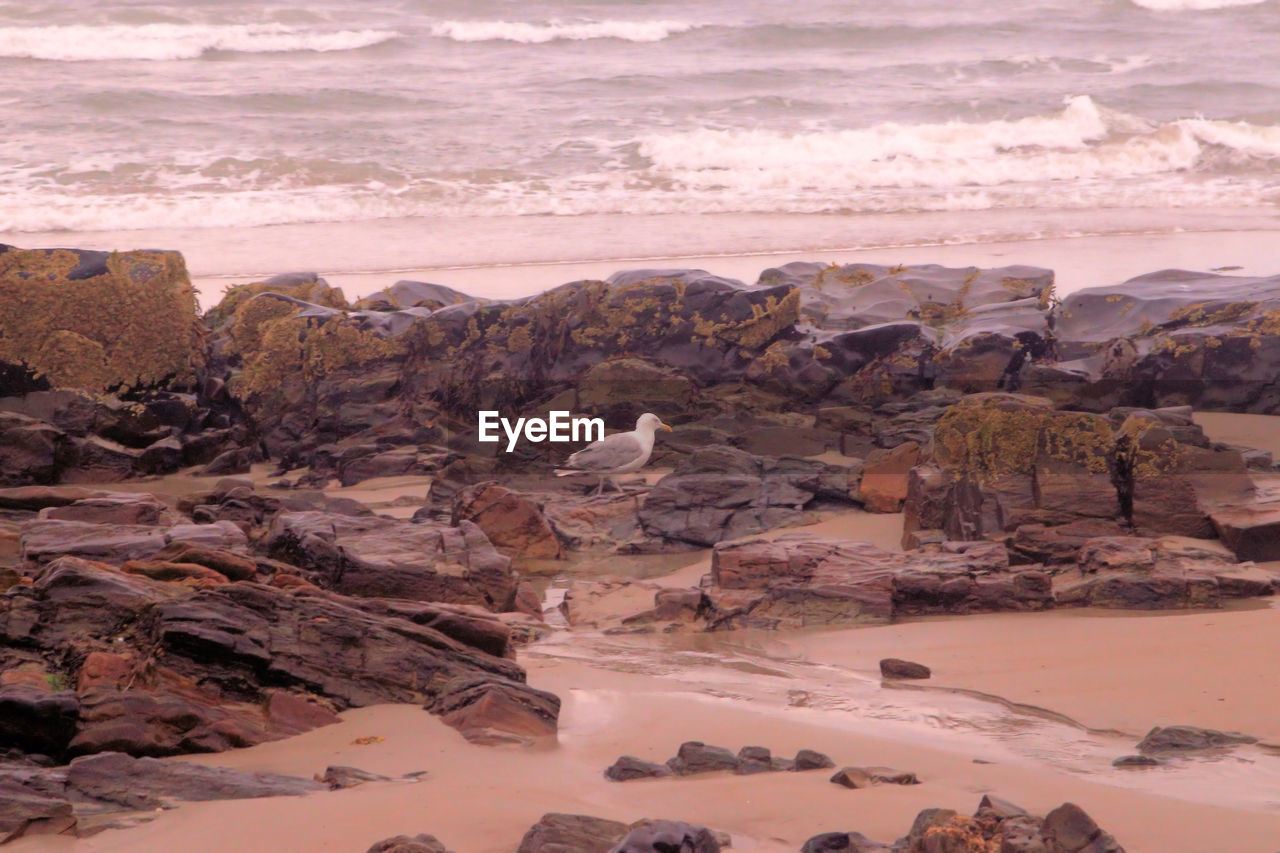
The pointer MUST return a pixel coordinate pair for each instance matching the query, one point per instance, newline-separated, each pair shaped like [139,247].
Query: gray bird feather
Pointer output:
[608,454]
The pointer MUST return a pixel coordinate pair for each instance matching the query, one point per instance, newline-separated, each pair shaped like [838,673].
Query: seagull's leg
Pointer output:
[599,489]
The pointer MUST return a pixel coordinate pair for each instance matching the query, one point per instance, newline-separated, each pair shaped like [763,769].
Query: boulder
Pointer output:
[629,767]
[664,835]
[808,759]
[898,668]
[148,783]
[697,757]
[515,525]
[488,710]
[572,833]
[420,843]
[339,777]
[1163,740]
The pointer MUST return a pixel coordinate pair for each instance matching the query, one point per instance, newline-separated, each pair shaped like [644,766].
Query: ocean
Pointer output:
[1034,118]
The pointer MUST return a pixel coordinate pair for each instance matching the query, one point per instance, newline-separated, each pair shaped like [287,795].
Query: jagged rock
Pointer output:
[377,557]
[488,710]
[664,835]
[420,843]
[43,540]
[515,525]
[808,759]
[338,777]
[571,833]
[721,493]
[629,767]
[898,668]
[169,669]
[1175,739]
[31,803]
[148,783]
[697,757]
[865,777]
[1070,829]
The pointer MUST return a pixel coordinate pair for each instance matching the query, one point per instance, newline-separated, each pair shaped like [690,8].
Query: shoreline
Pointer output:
[505,257]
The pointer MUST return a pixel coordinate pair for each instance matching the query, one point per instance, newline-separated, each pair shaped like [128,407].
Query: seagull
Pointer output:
[620,453]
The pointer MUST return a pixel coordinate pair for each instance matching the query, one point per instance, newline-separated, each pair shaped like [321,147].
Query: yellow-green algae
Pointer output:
[990,436]
[134,325]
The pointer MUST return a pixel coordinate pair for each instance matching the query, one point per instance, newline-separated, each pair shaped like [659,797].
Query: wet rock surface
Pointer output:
[695,757]
[997,825]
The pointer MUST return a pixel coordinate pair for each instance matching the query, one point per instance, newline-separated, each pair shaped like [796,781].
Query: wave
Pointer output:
[1080,157]
[1082,142]
[527,33]
[1192,5]
[82,43]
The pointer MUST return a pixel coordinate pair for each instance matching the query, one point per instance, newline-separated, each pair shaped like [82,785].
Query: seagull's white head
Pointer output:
[650,423]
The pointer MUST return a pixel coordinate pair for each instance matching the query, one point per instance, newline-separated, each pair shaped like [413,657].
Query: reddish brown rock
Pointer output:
[883,487]
[515,525]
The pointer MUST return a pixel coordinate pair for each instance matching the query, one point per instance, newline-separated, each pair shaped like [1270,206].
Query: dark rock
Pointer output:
[420,843]
[721,493]
[1175,739]
[629,767]
[1136,761]
[148,783]
[808,759]
[697,757]
[661,836]
[237,461]
[865,777]
[37,720]
[843,842]
[339,777]
[1250,530]
[897,668]
[754,759]
[571,833]
[488,710]
[32,804]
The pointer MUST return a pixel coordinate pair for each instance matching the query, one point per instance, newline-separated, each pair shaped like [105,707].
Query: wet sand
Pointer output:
[482,799]
[1030,706]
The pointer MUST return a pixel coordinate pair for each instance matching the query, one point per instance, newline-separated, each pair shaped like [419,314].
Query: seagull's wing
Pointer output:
[607,454]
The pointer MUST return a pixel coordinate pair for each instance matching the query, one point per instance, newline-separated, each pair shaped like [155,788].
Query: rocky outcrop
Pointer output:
[514,524]
[1003,463]
[121,661]
[1172,740]
[83,795]
[420,843]
[722,493]
[377,557]
[997,825]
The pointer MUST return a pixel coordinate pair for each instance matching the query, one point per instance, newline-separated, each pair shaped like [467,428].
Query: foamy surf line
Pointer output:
[541,33]
[168,42]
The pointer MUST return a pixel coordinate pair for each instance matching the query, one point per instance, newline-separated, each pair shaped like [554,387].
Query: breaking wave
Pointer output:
[82,43]
[527,33]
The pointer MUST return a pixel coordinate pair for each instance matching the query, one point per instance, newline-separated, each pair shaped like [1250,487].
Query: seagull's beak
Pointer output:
[664,426]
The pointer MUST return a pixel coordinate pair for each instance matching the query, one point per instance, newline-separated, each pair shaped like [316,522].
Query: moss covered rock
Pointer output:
[99,321]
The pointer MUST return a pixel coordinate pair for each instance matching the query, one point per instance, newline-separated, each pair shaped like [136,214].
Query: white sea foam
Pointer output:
[1082,156]
[1081,142]
[1192,5]
[79,42]
[530,33]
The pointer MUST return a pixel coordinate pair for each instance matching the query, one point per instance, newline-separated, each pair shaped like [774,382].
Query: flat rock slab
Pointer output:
[46,539]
